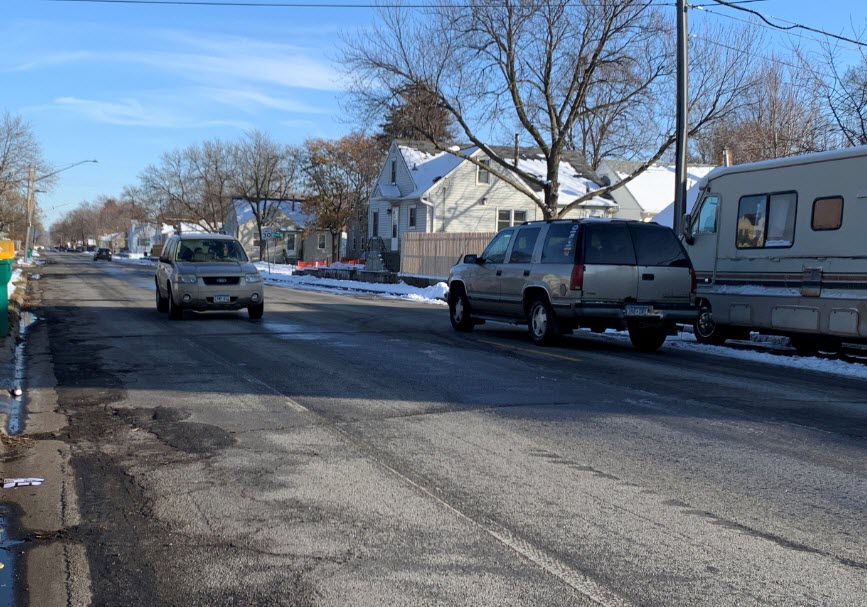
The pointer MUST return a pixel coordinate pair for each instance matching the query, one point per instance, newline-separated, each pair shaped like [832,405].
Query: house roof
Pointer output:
[653,189]
[428,165]
[290,208]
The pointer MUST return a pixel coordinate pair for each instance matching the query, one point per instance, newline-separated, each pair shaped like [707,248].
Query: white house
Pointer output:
[298,242]
[421,189]
[651,191]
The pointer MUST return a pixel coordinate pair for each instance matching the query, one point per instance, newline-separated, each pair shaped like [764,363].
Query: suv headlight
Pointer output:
[251,278]
[189,279]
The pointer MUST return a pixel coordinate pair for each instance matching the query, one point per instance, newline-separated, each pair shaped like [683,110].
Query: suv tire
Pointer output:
[175,311]
[542,323]
[255,311]
[459,310]
[162,302]
[647,339]
[706,331]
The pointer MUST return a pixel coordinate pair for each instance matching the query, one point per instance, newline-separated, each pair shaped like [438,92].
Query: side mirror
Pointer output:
[686,228]
[471,259]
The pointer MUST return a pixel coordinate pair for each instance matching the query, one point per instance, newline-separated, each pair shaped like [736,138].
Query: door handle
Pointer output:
[647,276]
[499,272]
[526,272]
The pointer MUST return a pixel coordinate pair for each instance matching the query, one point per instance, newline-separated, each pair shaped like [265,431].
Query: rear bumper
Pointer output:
[665,313]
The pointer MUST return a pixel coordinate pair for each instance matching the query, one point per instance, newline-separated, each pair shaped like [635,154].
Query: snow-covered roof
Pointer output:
[426,168]
[653,189]
[290,208]
[572,185]
[666,216]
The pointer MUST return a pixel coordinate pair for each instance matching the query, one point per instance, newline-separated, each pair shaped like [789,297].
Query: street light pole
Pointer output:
[31,180]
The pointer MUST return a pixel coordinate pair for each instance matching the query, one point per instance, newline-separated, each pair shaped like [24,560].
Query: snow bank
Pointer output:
[282,276]
[12,286]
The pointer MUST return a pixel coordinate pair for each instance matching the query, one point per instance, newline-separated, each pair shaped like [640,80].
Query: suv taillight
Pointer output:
[577,281]
[693,285]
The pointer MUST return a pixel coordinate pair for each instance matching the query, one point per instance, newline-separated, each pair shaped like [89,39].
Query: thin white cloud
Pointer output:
[249,100]
[132,112]
[55,59]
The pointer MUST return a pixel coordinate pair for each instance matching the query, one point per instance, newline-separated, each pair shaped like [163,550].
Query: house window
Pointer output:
[362,242]
[483,175]
[827,213]
[766,220]
[257,243]
[393,171]
[412,216]
[321,243]
[290,242]
[354,242]
[375,223]
[508,218]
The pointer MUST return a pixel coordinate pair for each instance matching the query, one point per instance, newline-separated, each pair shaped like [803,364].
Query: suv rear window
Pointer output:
[608,244]
[658,246]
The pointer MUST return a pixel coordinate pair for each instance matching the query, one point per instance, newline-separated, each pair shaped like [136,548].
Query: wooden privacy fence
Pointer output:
[433,255]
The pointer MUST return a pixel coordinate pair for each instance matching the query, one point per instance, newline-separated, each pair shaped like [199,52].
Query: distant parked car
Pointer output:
[102,254]
[560,275]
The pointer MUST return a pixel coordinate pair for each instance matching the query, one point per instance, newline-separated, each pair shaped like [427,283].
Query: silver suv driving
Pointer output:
[559,275]
[207,272]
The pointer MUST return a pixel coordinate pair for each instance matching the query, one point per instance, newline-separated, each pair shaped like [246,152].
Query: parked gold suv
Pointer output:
[207,272]
[559,275]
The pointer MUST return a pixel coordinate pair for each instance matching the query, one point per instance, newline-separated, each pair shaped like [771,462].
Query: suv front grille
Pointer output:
[221,280]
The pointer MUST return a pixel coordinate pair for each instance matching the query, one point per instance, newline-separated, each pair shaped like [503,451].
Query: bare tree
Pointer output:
[341,175]
[265,174]
[542,67]
[782,116]
[844,87]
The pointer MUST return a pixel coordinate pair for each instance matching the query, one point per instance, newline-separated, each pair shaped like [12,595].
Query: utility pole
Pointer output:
[682,128]
[30,180]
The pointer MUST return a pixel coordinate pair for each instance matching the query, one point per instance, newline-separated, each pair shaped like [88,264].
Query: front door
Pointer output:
[704,230]
[395,225]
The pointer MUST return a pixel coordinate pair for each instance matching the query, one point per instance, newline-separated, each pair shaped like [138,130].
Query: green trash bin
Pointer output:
[5,277]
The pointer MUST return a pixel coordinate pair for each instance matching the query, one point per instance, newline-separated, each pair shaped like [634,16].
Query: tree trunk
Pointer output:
[335,246]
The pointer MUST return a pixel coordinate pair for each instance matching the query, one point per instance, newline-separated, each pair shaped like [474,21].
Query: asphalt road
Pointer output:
[353,451]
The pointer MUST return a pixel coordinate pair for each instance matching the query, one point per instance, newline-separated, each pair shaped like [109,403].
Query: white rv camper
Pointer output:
[780,247]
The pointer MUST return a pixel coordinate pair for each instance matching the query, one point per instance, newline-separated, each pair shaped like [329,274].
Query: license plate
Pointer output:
[221,299]
[640,311]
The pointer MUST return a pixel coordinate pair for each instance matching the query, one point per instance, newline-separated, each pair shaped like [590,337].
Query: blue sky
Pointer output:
[124,83]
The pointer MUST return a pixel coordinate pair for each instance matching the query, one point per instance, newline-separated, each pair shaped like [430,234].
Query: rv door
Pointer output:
[705,232]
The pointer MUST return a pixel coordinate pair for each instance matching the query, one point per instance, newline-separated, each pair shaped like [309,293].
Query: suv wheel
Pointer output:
[175,311]
[706,331]
[647,339]
[542,322]
[162,302]
[256,311]
[459,310]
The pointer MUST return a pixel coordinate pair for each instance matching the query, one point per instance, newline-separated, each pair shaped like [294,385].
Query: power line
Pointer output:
[793,25]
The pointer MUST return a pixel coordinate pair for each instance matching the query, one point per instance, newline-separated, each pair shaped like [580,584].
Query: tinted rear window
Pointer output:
[608,244]
[658,246]
[560,243]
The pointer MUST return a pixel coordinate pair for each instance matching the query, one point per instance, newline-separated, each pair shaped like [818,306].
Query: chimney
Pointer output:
[727,160]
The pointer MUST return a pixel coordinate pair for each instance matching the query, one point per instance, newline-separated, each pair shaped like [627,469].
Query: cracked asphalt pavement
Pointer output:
[348,450]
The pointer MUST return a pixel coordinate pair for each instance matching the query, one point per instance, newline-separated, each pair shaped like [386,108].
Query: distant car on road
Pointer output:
[207,272]
[102,254]
[559,275]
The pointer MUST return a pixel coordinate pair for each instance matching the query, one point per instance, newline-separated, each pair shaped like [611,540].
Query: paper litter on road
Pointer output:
[9,483]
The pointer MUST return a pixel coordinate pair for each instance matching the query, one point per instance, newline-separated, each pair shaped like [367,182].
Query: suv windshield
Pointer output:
[207,250]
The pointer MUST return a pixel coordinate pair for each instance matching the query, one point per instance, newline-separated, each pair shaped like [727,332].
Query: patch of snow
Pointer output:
[12,286]
[282,276]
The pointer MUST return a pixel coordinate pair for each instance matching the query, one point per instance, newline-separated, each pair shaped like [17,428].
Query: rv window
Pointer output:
[781,220]
[751,222]
[706,221]
[827,213]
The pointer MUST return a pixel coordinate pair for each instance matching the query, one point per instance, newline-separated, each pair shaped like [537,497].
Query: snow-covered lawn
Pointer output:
[282,276]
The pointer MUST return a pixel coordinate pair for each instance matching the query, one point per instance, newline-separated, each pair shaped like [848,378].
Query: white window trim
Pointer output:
[291,238]
[486,162]
[321,238]
[511,217]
